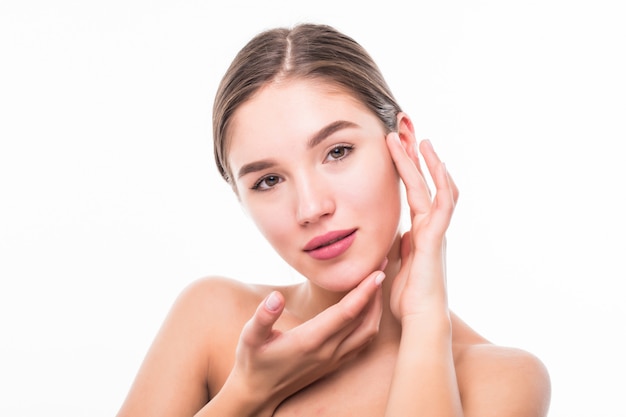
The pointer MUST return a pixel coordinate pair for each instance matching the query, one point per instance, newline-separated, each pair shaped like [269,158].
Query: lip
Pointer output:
[331,244]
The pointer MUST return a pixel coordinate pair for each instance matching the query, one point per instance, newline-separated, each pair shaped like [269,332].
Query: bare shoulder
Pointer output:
[498,380]
[218,307]
[192,352]
[208,300]
[213,293]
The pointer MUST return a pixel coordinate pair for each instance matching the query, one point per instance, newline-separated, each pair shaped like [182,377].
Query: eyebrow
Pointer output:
[315,140]
[255,167]
[328,130]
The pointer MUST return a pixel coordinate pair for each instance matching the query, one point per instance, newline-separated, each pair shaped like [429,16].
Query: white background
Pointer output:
[110,203]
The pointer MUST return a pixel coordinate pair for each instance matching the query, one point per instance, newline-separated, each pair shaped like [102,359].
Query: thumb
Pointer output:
[258,329]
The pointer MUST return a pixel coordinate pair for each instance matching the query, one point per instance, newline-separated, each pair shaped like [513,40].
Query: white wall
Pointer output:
[110,203]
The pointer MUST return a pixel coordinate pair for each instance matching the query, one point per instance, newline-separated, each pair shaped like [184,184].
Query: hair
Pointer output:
[306,51]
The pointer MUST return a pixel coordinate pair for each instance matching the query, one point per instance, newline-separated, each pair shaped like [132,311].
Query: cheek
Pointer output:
[385,204]
[377,187]
[271,223]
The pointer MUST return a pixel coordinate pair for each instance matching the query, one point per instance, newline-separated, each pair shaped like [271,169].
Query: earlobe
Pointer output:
[406,132]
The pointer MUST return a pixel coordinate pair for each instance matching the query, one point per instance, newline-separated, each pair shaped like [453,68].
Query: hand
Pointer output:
[271,365]
[420,286]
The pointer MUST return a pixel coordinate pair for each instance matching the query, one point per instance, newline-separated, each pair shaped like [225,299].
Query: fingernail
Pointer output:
[395,136]
[272,302]
[379,278]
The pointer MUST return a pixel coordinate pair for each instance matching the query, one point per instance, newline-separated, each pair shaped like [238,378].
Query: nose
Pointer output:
[314,201]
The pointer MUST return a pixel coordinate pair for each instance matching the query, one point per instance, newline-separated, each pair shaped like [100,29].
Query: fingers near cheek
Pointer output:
[418,194]
[446,191]
[444,199]
[367,328]
[353,304]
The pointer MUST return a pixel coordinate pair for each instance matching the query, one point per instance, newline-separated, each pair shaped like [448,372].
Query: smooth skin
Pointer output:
[379,341]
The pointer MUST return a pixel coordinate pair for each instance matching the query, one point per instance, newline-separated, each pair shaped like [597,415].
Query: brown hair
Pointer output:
[306,51]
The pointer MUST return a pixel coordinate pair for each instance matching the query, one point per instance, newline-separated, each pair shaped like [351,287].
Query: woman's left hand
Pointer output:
[419,289]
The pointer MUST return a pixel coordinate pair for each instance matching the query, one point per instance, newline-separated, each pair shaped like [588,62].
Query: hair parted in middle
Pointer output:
[306,51]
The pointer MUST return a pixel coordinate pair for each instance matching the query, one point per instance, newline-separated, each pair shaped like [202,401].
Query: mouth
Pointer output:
[330,245]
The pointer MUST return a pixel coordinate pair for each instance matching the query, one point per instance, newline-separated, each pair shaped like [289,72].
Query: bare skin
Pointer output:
[218,309]
[337,344]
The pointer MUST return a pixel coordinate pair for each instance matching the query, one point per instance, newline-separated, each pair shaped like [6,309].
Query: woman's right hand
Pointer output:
[271,365]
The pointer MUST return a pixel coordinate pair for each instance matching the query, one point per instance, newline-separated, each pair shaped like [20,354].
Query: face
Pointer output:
[311,167]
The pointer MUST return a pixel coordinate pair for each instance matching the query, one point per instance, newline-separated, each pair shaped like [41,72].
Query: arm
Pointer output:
[494,381]
[172,377]
[424,381]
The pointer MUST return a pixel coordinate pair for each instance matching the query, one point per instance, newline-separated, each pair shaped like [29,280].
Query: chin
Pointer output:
[344,276]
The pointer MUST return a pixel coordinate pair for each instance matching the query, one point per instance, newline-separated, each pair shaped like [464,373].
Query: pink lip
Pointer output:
[331,244]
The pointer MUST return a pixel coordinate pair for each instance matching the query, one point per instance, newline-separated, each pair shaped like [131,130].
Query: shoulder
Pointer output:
[192,348]
[202,328]
[500,381]
[219,304]
[213,297]
[214,288]
[196,320]
[503,381]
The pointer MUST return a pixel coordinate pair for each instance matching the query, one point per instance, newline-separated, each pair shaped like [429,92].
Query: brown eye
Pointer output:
[271,181]
[339,152]
[266,183]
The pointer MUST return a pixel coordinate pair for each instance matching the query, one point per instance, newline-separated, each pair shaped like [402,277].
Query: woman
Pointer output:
[316,149]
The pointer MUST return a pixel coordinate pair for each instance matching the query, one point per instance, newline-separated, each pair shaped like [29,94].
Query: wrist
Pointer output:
[432,321]
[236,399]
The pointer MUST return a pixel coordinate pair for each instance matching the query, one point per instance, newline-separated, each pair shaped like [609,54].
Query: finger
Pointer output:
[365,331]
[353,303]
[418,194]
[413,153]
[455,189]
[405,261]
[339,320]
[445,198]
[259,329]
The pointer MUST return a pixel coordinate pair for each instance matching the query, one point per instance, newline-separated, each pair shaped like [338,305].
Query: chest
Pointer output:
[359,389]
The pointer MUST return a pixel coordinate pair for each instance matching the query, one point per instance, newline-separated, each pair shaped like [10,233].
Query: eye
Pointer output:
[339,152]
[266,183]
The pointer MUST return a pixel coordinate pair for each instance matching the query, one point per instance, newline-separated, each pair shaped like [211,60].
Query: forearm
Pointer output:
[424,382]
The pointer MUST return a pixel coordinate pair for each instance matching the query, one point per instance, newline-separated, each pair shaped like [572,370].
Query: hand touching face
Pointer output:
[419,289]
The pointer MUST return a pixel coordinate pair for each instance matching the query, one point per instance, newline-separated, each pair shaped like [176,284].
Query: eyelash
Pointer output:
[257,185]
[346,148]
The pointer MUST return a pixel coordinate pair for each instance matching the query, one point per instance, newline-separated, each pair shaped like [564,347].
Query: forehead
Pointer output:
[286,113]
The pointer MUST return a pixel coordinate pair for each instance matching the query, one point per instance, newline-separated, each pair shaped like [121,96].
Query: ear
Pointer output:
[406,133]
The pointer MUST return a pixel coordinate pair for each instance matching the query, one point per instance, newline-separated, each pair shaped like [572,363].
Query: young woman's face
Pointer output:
[311,167]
